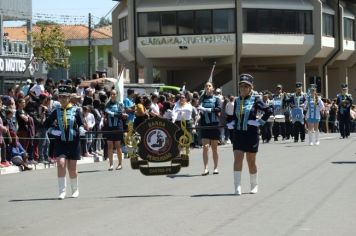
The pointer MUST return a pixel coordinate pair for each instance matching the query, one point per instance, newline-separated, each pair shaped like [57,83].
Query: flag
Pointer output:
[183,88]
[119,87]
[210,80]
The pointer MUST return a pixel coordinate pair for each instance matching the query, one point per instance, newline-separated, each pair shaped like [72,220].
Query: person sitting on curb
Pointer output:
[19,156]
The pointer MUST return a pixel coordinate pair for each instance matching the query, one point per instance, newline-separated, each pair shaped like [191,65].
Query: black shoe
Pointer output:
[25,167]
[302,140]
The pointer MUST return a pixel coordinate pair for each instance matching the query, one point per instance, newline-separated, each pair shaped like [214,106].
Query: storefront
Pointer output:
[13,71]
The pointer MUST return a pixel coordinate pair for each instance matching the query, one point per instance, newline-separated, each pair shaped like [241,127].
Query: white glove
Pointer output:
[231,125]
[253,122]
[256,123]
[56,132]
[204,109]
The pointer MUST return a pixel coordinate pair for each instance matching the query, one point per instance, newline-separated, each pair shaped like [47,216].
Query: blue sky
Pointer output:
[70,11]
[79,8]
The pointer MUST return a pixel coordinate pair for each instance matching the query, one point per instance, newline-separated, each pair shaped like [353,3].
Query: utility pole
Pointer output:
[89,46]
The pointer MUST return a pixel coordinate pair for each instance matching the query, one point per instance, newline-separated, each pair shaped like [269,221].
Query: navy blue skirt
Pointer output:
[70,149]
[212,134]
[117,134]
[246,141]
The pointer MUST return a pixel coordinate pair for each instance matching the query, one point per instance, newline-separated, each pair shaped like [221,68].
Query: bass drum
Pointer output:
[280,118]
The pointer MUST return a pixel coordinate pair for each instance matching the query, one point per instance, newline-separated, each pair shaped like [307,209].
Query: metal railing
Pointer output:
[16,48]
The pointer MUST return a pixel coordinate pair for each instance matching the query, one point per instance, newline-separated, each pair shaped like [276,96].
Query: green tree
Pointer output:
[49,45]
[103,22]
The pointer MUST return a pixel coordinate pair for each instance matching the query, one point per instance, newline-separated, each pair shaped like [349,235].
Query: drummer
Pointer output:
[279,105]
[266,129]
[296,102]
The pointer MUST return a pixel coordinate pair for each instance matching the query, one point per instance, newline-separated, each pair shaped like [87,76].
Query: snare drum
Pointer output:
[271,119]
[280,118]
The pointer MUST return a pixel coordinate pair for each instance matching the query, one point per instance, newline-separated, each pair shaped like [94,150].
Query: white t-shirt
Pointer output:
[182,112]
[155,108]
[229,108]
[37,89]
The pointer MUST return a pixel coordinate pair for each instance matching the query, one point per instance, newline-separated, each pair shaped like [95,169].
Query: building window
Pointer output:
[149,24]
[328,25]
[168,23]
[349,29]
[216,21]
[203,22]
[274,21]
[186,22]
[223,21]
[123,29]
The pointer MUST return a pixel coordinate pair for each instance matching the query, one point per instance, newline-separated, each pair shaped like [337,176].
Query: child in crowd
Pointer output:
[19,156]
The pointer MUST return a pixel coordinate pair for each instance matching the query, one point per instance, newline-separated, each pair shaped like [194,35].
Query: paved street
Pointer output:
[303,191]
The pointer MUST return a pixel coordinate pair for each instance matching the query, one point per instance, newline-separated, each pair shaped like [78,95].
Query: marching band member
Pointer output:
[246,134]
[114,122]
[266,129]
[297,101]
[313,104]
[67,147]
[279,103]
[344,102]
[209,108]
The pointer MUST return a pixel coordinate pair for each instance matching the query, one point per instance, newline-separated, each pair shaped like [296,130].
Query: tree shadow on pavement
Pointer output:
[89,171]
[142,196]
[181,176]
[216,195]
[34,199]
[343,162]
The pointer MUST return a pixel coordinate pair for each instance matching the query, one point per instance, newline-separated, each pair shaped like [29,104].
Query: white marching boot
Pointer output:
[311,138]
[317,140]
[74,186]
[254,184]
[62,187]
[237,182]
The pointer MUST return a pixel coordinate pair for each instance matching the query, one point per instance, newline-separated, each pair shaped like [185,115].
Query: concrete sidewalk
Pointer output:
[40,166]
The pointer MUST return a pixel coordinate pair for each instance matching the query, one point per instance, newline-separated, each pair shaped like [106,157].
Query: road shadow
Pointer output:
[142,196]
[343,162]
[217,195]
[34,200]
[181,176]
[89,171]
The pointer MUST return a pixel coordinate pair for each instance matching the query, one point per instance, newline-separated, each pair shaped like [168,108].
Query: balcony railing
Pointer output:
[16,48]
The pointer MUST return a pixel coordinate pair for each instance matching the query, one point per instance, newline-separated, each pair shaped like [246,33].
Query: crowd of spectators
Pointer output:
[24,140]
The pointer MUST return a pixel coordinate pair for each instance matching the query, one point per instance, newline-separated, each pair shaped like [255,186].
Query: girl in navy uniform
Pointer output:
[246,131]
[114,122]
[210,108]
[67,121]
[313,105]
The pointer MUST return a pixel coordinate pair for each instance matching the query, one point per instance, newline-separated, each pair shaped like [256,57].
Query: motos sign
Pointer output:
[12,65]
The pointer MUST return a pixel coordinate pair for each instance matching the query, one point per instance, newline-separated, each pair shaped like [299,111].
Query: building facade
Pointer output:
[15,55]
[278,41]
[77,41]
